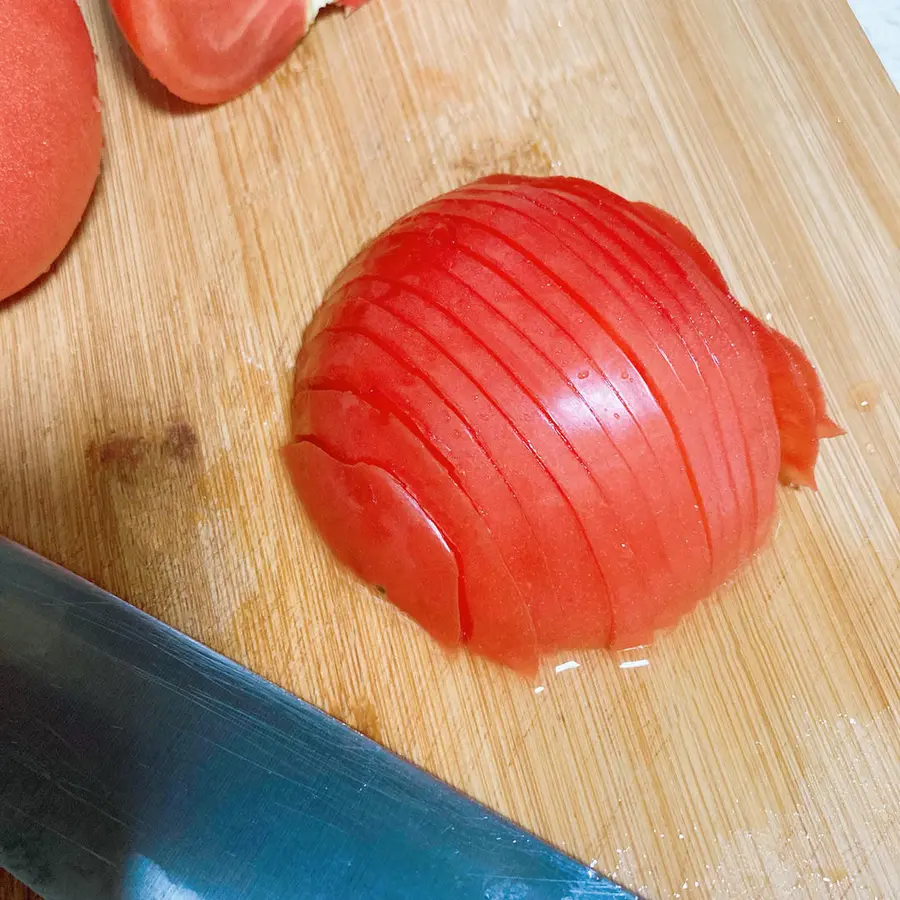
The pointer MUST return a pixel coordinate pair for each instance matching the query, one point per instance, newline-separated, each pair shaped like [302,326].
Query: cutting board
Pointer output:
[752,752]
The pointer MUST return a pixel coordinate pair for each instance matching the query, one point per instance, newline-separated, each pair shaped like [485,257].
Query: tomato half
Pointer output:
[552,386]
[50,134]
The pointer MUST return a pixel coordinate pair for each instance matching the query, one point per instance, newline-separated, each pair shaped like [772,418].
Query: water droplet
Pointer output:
[865,395]
[539,689]
[583,373]
[566,666]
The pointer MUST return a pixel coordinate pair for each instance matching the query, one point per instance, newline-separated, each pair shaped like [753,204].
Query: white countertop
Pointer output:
[881,21]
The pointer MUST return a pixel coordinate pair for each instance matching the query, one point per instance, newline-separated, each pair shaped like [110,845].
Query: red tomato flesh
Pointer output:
[534,413]
[50,134]
[797,393]
[380,530]
[487,590]
[799,403]
[210,51]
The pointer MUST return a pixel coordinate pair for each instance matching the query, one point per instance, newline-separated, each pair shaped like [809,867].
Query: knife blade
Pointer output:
[137,764]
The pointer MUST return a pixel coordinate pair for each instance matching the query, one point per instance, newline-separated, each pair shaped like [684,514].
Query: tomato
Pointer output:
[534,413]
[380,530]
[799,403]
[797,394]
[333,416]
[210,51]
[50,134]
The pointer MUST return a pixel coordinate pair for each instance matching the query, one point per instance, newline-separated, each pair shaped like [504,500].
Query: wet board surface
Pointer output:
[752,752]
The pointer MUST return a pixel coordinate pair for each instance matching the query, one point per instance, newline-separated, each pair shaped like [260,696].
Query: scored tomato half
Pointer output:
[534,413]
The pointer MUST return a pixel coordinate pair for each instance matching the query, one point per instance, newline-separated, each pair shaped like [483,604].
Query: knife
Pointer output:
[136,764]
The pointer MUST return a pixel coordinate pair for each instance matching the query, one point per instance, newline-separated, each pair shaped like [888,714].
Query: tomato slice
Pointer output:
[568,616]
[493,612]
[609,314]
[378,530]
[709,324]
[684,239]
[716,318]
[797,394]
[799,404]
[574,239]
[746,375]
[210,51]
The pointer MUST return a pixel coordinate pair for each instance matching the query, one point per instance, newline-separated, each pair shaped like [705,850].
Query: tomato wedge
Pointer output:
[210,51]
[533,412]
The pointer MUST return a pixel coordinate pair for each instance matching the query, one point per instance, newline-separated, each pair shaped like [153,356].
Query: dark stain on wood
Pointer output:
[120,453]
[180,441]
[123,454]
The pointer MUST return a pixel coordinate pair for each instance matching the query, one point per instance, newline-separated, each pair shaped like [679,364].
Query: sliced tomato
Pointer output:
[677,266]
[682,260]
[799,404]
[482,443]
[798,398]
[564,616]
[382,534]
[569,386]
[493,612]
[684,239]
[629,535]
[563,275]
[715,318]
[210,51]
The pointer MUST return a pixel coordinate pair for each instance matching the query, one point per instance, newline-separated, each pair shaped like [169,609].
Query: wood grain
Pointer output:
[10,889]
[146,385]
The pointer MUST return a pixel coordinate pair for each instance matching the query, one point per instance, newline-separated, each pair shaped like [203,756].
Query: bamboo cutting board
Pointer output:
[754,751]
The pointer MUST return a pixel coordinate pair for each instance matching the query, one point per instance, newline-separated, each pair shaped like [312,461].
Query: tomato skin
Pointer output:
[381,530]
[50,134]
[799,404]
[563,384]
[211,51]
[376,436]
[797,394]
